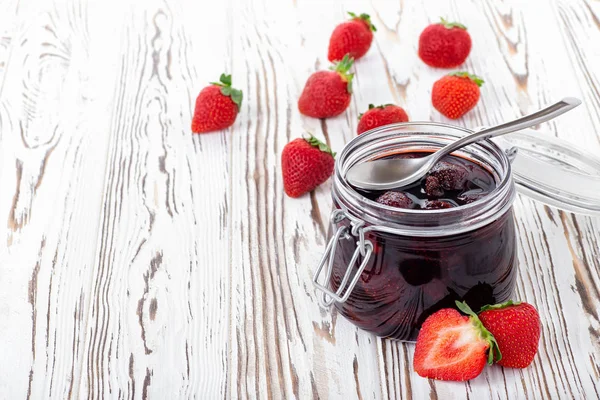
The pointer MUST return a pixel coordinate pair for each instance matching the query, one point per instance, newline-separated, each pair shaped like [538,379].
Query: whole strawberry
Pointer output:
[379,116]
[352,37]
[444,45]
[305,164]
[453,347]
[217,106]
[516,326]
[328,93]
[455,94]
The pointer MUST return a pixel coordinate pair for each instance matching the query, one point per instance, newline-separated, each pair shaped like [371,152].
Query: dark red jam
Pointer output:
[452,182]
[409,278]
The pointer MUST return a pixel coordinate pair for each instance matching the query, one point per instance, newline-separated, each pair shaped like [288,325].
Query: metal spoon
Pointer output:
[399,172]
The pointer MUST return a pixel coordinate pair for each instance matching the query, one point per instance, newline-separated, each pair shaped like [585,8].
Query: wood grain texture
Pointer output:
[140,261]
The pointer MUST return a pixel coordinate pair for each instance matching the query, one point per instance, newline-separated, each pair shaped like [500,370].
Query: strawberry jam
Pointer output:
[409,277]
[451,183]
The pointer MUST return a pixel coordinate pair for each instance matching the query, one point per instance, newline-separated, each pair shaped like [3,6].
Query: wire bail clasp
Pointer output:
[363,247]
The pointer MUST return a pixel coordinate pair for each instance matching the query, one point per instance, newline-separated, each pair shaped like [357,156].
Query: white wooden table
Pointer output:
[139,261]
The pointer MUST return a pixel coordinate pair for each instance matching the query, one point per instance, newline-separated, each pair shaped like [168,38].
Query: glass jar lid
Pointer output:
[554,171]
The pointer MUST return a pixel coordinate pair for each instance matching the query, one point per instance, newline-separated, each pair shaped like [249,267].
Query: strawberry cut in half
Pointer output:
[454,347]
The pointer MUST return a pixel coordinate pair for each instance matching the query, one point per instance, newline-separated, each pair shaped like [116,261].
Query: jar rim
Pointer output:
[441,222]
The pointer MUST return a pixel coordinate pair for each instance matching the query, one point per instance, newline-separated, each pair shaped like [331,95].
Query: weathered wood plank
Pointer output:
[158,321]
[283,345]
[52,128]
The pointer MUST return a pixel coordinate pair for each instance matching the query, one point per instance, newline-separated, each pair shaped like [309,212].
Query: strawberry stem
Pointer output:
[499,306]
[364,17]
[450,25]
[342,69]
[313,141]
[371,106]
[463,74]
[494,351]
[381,106]
[226,89]
[224,80]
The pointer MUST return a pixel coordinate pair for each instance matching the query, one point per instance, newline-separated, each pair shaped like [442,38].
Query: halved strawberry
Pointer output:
[454,347]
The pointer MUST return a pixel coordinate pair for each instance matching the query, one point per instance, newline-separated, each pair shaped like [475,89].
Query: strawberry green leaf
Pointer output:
[226,89]
[462,74]
[372,106]
[462,306]
[342,69]
[381,106]
[494,353]
[225,79]
[500,306]
[450,25]
[237,96]
[364,17]
[343,66]
[313,141]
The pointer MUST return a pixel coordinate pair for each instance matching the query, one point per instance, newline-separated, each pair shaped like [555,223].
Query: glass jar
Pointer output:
[386,269]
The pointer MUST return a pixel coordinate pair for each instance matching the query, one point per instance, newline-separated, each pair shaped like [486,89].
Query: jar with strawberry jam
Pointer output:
[395,257]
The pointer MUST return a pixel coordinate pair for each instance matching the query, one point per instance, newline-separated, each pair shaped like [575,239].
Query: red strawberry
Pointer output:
[352,37]
[437,205]
[444,45]
[453,347]
[456,93]
[395,199]
[516,327]
[328,93]
[305,163]
[379,116]
[217,106]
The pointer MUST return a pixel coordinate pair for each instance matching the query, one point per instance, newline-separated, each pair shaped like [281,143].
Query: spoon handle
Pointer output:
[527,121]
